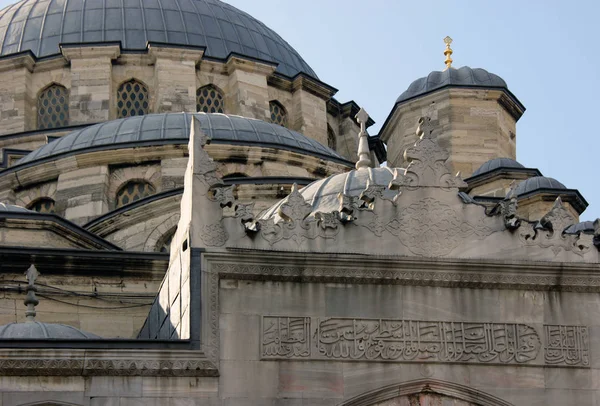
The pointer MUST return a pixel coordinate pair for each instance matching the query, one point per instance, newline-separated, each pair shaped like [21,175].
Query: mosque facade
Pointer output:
[188,216]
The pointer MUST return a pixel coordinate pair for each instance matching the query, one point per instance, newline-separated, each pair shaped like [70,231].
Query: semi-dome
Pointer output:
[461,77]
[497,163]
[11,208]
[322,195]
[174,128]
[538,183]
[38,330]
[40,26]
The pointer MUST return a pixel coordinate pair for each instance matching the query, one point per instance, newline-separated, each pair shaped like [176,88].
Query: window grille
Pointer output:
[209,100]
[278,113]
[43,205]
[132,99]
[53,107]
[133,191]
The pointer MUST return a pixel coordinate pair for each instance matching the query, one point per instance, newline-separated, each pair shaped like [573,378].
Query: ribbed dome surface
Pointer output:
[11,208]
[537,183]
[40,26]
[174,128]
[465,76]
[37,330]
[496,163]
[322,195]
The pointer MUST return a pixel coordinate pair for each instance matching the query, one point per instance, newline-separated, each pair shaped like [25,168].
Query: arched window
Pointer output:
[132,99]
[164,244]
[209,99]
[42,205]
[53,107]
[133,191]
[331,141]
[278,113]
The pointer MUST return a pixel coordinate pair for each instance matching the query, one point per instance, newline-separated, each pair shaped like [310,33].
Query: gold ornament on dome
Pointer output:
[448,52]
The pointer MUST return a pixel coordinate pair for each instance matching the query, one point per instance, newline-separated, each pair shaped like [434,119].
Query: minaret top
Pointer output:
[31,300]
[448,52]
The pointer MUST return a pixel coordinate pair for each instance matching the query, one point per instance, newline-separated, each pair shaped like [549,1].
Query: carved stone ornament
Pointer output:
[549,232]
[295,224]
[597,233]
[427,163]
[212,229]
[400,340]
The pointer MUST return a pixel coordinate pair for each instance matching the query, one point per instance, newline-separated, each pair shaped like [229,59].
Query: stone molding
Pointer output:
[91,50]
[75,362]
[412,271]
[424,386]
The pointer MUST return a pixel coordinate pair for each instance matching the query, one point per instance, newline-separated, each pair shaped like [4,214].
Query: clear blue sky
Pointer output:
[545,50]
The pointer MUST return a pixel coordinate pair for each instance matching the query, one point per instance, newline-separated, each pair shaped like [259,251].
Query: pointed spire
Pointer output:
[448,52]
[31,300]
[364,156]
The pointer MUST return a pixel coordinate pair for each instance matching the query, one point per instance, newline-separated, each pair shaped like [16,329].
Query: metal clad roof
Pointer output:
[11,208]
[38,330]
[536,183]
[174,128]
[40,26]
[464,76]
[496,163]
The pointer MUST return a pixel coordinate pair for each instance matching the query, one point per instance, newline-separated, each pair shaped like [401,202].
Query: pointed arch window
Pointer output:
[278,113]
[331,139]
[53,107]
[132,99]
[164,244]
[42,205]
[209,99]
[133,191]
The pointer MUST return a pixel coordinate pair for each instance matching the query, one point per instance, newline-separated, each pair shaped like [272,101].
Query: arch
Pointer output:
[154,239]
[150,173]
[132,191]
[331,138]
[43,205]
[209,99]
[164,242]
[132,99]
[53,107]
[278,113]
[426,386]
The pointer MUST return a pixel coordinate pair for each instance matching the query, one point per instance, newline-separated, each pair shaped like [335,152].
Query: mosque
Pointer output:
[188,216]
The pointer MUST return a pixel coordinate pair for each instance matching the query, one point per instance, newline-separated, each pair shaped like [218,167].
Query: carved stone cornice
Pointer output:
[412,271]
[21,60]
[110,50]
[86,362]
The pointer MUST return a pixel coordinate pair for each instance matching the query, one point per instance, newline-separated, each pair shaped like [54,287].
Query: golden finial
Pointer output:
[448,52]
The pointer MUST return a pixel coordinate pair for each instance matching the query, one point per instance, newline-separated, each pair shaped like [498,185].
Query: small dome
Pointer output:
[322,195]
[465,77]
[39,26]
[495,164]
[537,183]
[38,330]
[174,128]
[11,208]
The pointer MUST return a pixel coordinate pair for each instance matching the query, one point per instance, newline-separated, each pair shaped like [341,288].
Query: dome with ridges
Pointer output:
[461,77]
[40,26]
[174,128]
[537,183]
[38,330]
[11,208]
[322,195]
[496,163]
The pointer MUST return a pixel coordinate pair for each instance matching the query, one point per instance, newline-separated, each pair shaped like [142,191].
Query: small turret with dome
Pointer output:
[474,112]
[35,330]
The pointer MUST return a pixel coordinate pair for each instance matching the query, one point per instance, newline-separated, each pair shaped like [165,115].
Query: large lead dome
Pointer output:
[40,26]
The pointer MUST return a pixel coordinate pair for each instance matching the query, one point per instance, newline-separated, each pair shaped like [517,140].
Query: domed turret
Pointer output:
[473,111]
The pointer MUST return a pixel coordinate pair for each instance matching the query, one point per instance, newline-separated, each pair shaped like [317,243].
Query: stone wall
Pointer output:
[473,124]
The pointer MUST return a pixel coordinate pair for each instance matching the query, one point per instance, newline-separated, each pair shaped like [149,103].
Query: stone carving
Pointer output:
[287,337]
[567,345]
[348,339]
[549,232]
[427,163]
[430,227]
[409,340]
[597,233]
[295,223]
[508,209]
[556,277]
